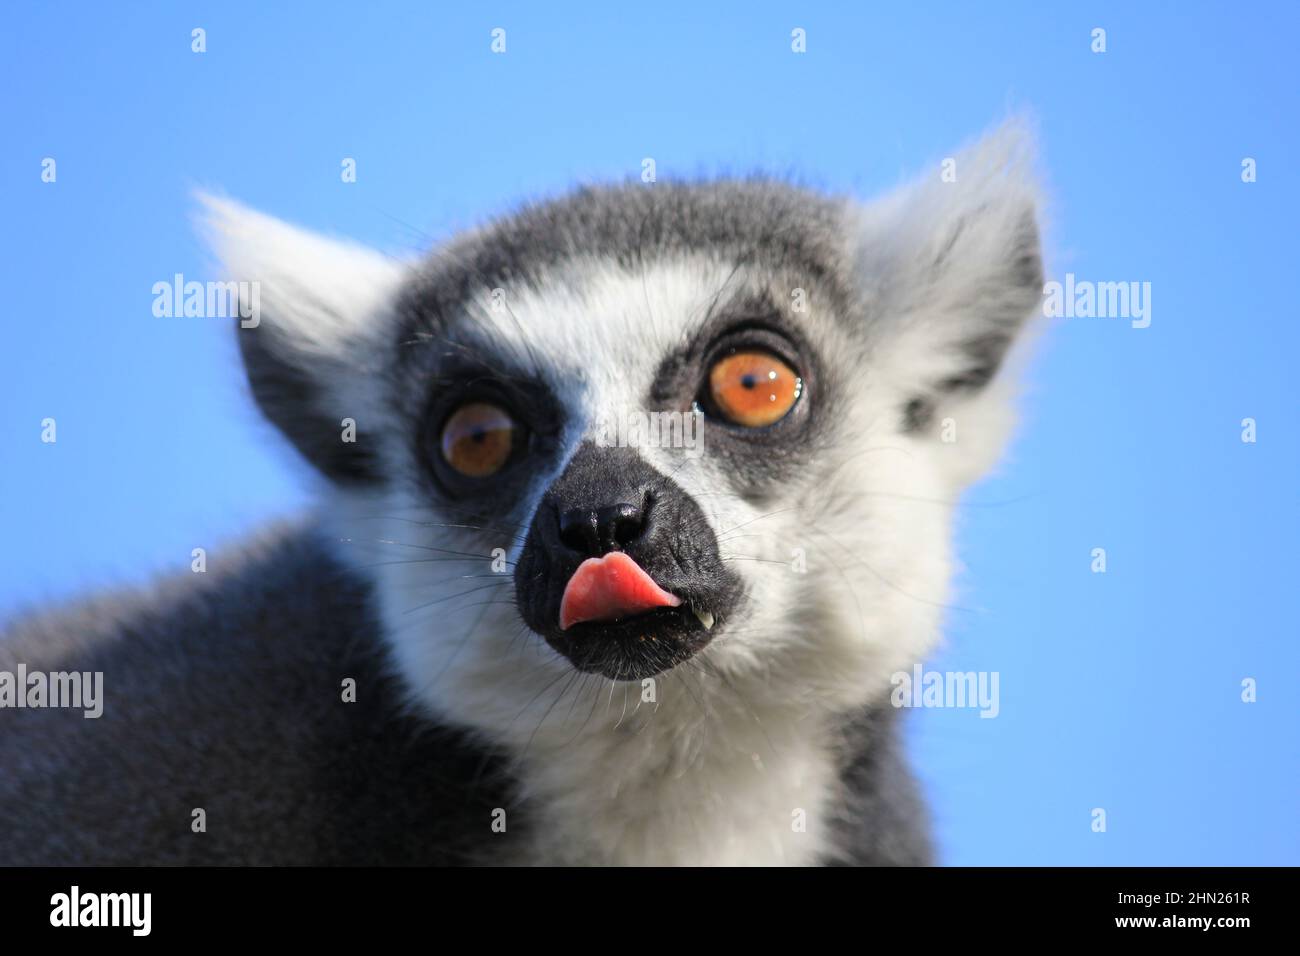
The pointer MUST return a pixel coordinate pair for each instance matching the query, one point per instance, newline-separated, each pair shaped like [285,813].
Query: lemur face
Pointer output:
[630,441]
[654,432]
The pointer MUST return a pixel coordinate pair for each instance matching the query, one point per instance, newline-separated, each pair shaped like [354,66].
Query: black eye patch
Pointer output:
[531,406]
[758,458]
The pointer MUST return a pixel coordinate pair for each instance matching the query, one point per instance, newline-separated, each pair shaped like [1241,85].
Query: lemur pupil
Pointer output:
[749,381]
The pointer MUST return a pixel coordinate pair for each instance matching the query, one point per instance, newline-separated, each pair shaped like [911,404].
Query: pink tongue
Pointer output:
[609,588]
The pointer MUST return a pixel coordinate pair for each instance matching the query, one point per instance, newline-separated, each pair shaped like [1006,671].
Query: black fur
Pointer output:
[290,397]
[881,820]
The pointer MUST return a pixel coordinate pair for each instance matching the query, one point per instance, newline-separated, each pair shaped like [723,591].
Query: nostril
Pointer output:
[624,525]
[619,525]
[579,531]
[596,531]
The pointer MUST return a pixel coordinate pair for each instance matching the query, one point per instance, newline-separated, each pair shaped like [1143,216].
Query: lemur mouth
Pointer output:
[610,588]
[620,571]
[638,647]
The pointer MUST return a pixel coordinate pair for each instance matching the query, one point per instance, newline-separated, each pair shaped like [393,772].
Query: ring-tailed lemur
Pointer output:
[636,500]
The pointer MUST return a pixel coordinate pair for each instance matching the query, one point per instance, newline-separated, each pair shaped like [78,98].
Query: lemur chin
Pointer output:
[515,634]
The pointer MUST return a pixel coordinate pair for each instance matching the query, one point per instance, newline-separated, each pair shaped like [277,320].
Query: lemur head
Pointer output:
[652,428]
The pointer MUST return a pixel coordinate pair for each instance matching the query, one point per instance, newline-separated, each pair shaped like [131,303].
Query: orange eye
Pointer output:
[477,439]
[753,388]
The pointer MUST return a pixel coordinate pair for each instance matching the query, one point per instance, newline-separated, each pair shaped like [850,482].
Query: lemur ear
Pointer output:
[952,265]
[312,315]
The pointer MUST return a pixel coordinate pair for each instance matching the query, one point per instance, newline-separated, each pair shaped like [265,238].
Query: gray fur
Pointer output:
[224,692]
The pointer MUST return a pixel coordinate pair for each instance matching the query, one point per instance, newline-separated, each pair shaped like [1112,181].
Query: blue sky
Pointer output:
[1118,690]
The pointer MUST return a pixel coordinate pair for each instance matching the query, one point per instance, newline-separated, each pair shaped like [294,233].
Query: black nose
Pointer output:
[612,499]
[595,531]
